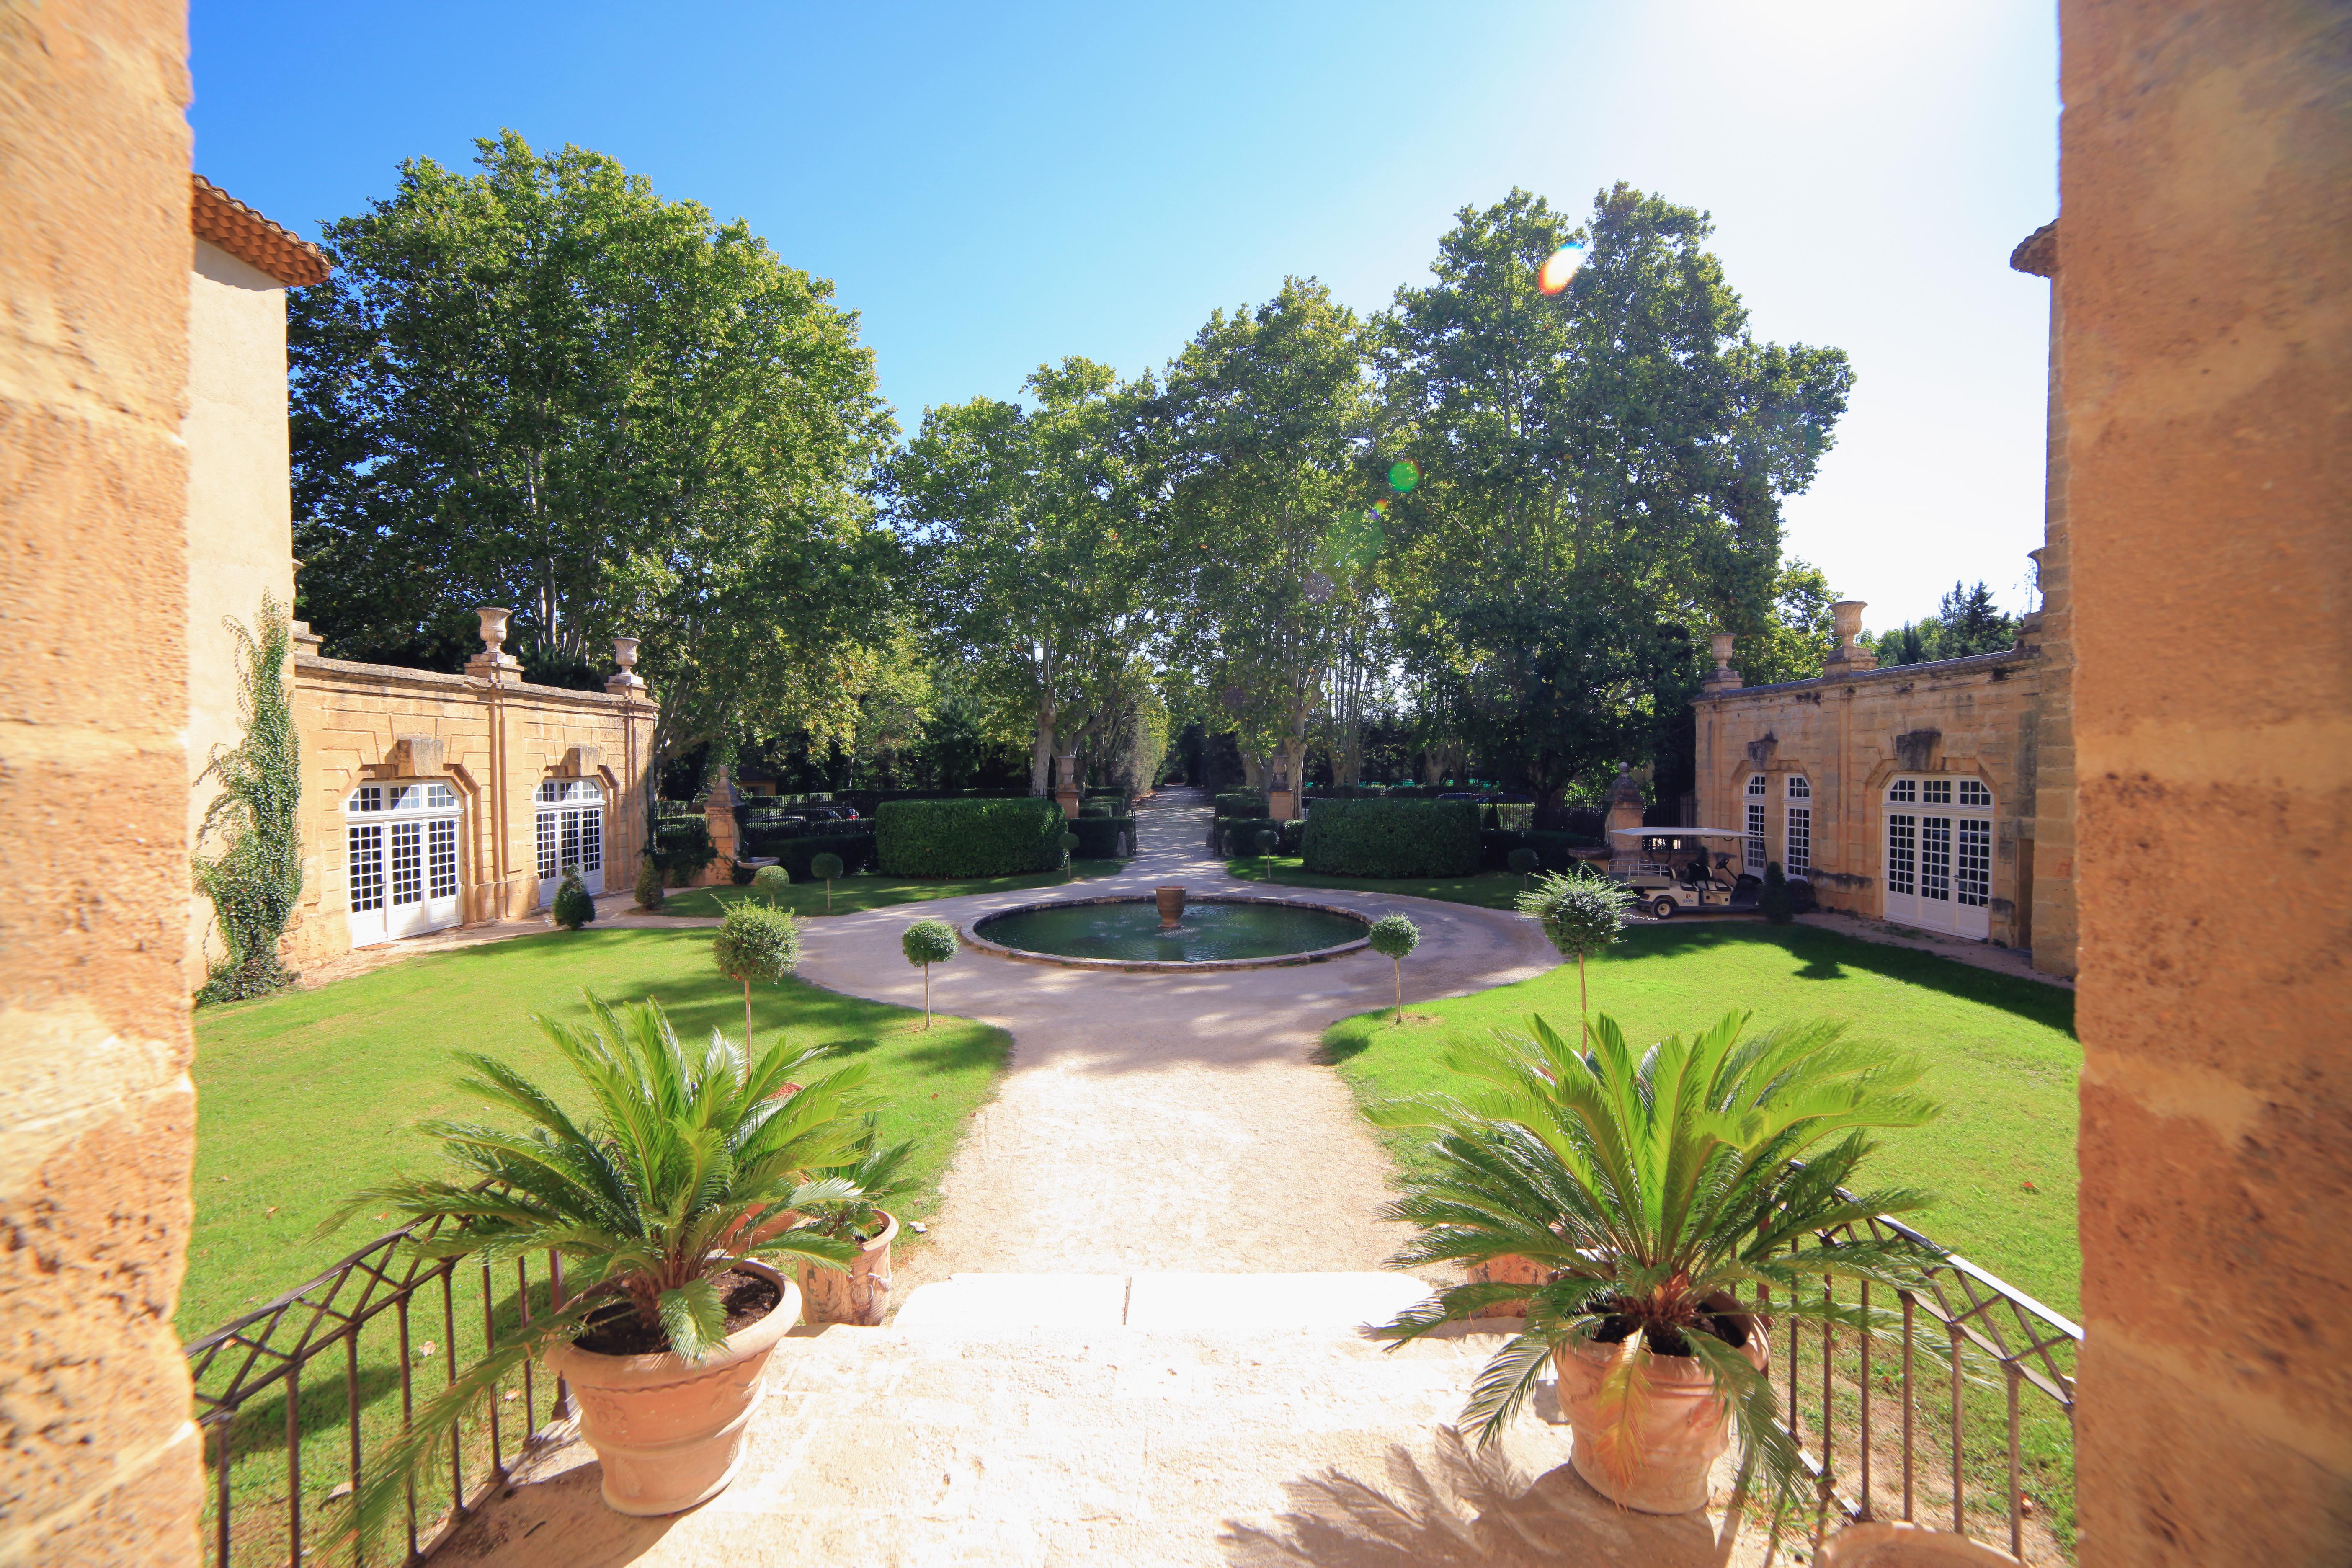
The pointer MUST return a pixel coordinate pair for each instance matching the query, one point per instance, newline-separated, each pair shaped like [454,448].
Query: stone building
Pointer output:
[1939,796]
[429,799]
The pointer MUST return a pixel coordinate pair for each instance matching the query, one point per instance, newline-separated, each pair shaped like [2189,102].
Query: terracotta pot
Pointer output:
[1171,904]
[1684,1427]
[862,1295]
[670,1431]
[1508,1270]
[1895,1545]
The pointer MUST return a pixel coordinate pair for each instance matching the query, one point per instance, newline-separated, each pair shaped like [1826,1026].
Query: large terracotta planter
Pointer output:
[1683,1426]
[862,1295]
[1169,902]
[670,1431]
[1897,1544]
[1509,1268]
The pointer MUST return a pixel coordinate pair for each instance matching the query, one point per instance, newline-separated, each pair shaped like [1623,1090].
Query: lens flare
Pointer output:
[1379,509]
[1559,271]
[1403,474]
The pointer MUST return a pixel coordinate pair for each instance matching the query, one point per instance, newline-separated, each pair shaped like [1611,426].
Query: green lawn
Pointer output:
[873,892]
[302,1097]
[2000,1055]
[1488,890]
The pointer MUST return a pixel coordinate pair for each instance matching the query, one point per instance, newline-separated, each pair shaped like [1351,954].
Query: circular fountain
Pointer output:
[1171,930]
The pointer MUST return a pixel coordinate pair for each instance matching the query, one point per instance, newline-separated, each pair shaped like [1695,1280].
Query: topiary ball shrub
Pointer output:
[1267,841]
[1524,862]
[1581,913]
[1393,937]
[826,867]
[927,942]
[574,907]
[650,886]
[1778,905]
[770,882]
[759,943]
[1069,846]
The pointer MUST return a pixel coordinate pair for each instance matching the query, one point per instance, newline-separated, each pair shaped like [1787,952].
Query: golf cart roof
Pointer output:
[1675,833]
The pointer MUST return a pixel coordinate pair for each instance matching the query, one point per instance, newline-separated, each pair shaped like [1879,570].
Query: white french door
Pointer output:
[1939,867]
[570,831]
[400,845]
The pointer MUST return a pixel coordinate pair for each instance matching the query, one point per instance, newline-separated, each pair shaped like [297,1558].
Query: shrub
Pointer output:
[1775,901]
[682,848]
[1525,861]
[968,837]
[1393,838]
[770,882]
[1242,803]
[1099,837]
[826,867]
[1069,842]
[927,942]
[1393,936]
[1240,834]
[1800,896]
[574,907]
[1581,913]
[854,851]
[1553,850]
[755,942]
[649,885]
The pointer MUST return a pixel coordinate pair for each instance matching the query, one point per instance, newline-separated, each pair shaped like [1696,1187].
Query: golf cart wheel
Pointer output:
[1663,907]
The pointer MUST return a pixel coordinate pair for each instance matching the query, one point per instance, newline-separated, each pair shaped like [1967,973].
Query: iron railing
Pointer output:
[266,1465]
[1981,1434]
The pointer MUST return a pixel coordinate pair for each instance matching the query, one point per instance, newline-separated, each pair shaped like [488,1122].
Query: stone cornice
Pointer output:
[1974,664]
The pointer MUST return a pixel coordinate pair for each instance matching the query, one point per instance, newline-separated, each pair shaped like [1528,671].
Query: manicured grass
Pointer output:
[303,1098]
[2000,1055]
[1488,890]
[873,892]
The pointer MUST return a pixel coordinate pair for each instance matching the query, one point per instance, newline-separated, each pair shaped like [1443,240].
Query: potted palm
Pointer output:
[1651,1191]
[861,1293]
[653,1201]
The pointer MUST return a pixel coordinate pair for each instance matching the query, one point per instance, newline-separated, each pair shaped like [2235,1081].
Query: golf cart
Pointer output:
[1677,869]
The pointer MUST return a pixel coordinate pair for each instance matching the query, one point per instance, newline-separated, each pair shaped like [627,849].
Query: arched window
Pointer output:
[1753,852]
[401,866]
[1796,859]
[570,831]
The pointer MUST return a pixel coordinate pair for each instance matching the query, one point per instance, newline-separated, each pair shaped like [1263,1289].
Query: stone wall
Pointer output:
[97,1113]
[2205,284]
[1841,734]
[494,741]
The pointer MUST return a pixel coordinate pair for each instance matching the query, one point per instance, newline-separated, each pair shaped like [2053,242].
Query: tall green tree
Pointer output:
[1602,475]
[1025,521]
[542,386]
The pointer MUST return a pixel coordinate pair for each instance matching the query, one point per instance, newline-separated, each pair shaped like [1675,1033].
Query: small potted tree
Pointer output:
[1655,1190]
[1393,937]
[861,1293]
[755,942]
[827,866]
[574,907]
[675,1311]
[925,943]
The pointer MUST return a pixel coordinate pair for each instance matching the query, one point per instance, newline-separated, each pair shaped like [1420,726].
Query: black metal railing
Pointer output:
[274,1430]
[1993,1457]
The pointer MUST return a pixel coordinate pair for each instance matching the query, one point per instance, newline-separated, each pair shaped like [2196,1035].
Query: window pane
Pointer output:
[1976,862]
[407,863]
[1754,851]
[1800,839]
[591,841]
[1901,841]
[1936,859]
[442,858]
[367,868]
[547,865]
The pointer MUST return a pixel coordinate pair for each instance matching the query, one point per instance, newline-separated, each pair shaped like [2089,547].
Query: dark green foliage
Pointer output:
[1775,901]
[1393,838]
[1801,899]
[1552,850]
[968,837]
[1525,861]
[1581,912]
[1966,622]
[1099,837]
[256,879]
[574,907]
[682,848]
[1265,840]
[798,854]
[1069,843]
[1514,817]
[649,885]
[826,867]
[928,943]
[1242,803]
[771,881]
[1239,834]
[1393,936]
[740,874]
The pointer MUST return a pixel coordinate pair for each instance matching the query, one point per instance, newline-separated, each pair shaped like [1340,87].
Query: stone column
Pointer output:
[2204,281]
[1624,810]
[1281,800]
[719,816]
[97,1113]
[1065,768]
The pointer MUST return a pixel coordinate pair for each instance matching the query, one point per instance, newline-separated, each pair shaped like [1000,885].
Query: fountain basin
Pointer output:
[1215,932]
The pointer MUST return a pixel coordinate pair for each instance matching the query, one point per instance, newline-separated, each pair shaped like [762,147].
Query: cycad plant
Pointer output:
[1650,1185]
[870,1180]
[656,1191]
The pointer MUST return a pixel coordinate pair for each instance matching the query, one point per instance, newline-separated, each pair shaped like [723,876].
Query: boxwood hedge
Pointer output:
[1237,835]
[1393,838]
[1242,803]
[855,849]
[1099,837]
[968,837]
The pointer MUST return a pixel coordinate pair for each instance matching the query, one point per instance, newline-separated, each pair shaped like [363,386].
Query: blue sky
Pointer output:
[993,186]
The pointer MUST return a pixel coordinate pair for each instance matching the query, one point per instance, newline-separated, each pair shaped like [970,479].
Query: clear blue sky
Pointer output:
[993,186]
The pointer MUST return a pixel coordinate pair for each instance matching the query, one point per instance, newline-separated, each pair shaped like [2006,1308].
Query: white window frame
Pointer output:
[568,824]
[1755,852]
[404,869]
[1938,832]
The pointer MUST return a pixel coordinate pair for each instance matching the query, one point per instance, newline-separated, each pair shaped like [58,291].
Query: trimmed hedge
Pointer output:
[968,837]
[1393,838]
[1243,803]
[1099,837]
[1495,846]
[855,849]
[1237,835]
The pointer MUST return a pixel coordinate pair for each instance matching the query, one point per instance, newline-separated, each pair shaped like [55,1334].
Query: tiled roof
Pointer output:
[219,218]
[2038,252]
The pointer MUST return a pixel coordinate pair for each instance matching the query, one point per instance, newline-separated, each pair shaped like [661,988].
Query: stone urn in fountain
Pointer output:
[1170,903]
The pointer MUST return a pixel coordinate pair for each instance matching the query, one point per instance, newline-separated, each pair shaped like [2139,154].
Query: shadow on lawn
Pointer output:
[1831,956]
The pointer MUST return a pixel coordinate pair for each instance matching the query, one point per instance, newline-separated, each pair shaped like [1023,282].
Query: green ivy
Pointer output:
[256,879]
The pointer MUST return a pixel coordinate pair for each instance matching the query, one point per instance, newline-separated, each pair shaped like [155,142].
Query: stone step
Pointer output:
[1115,1441]
[1172,1301]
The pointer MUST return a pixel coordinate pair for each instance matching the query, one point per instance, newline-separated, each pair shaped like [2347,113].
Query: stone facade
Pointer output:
[494,741]
[2205,285]
[99,1460]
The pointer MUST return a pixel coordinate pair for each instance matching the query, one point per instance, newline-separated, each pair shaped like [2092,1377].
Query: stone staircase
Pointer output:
[1146,1418]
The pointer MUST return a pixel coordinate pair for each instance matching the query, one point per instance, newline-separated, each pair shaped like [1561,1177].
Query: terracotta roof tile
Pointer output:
[219,218]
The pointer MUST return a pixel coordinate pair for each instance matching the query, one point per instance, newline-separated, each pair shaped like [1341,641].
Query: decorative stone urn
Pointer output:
[493,663]
[668,1431]
[625,678]
[862,1295]
[494,627]
[1681,1425]
[1723,677]
[1170,901]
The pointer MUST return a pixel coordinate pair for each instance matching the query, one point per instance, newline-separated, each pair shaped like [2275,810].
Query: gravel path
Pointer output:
[1164,1122]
